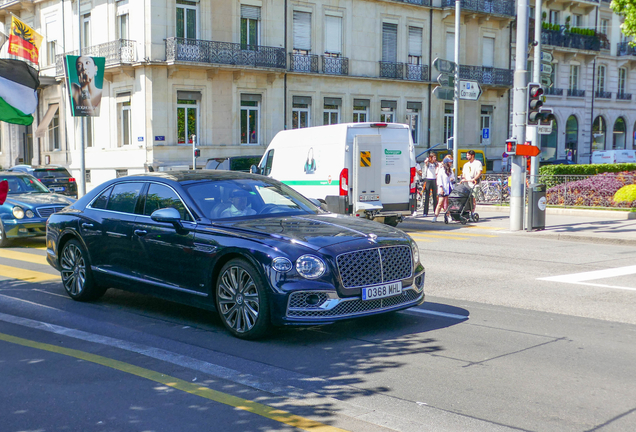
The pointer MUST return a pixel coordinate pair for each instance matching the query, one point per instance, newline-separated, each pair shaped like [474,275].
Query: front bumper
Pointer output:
[18,228]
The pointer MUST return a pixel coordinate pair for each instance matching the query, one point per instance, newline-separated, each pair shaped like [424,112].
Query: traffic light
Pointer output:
[511,146]
[197,153]
[546,116]
[535,102]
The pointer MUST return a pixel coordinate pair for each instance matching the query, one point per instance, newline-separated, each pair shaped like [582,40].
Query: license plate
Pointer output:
[58,189]
[382,291]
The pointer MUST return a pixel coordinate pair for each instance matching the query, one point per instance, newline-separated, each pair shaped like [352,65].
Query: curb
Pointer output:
[604,214]
[578,238]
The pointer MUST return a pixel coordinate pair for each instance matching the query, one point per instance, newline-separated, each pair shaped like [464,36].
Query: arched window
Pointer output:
[620,134]
[599,130]
[571,137]
[549,143]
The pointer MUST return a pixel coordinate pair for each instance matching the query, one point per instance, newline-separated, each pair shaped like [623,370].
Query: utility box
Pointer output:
[537,204]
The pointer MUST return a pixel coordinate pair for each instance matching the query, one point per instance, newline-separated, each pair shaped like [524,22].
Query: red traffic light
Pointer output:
[197,153]
[511,147]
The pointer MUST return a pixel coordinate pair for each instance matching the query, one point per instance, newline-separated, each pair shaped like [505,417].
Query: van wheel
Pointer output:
[391,221]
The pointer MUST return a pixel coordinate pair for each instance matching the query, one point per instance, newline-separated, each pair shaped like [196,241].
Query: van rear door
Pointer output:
[367,172]
[396,169]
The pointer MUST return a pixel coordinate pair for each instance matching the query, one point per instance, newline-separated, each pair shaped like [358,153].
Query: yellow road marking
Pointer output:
[483,228]
[23,256]
[26,275]
[195,389]
[453,233]
[437,236]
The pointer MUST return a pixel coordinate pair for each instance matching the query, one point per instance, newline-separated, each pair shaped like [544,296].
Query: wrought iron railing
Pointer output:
[487,75]
[623,96]
[303,62]
[553,91]
[416,2]
[570,40]
[497,7]
[116,52]
[624,48]
[391,70]
[335,65]
[576,93]
[603,94]
[202,51]
[605,44]
[417,72]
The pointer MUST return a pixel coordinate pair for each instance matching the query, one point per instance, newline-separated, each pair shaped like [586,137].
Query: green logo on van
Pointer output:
[392,152]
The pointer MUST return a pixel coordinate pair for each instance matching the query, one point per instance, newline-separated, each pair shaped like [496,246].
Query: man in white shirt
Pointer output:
[430,178]
[239,206]
[471,173]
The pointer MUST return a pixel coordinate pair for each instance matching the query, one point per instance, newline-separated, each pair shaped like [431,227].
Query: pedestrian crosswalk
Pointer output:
[448,234]
[26,261]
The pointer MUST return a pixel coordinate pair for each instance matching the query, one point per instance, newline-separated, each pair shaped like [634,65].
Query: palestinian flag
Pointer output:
[18,95]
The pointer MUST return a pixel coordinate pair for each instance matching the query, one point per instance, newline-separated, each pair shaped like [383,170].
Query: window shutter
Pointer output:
[414,106]
[303,100]
[250,97]
[415,41]
[389,42]
[362,102]
[302,30]
[388,104]
[488,56]
[250,12]
[333,101]
[188,95]
[333,31]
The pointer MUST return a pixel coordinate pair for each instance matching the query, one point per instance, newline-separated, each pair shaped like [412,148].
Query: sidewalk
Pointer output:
[595,226]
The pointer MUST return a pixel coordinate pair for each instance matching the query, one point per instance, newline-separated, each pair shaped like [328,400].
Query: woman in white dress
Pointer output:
[445,182]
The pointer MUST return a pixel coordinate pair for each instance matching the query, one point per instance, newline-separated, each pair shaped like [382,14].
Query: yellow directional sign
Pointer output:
[365,158]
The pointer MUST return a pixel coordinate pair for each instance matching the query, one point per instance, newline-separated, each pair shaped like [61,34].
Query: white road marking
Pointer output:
[435,313]
[584,277]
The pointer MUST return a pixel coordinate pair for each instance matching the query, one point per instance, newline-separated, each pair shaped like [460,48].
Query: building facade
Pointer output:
[226,76]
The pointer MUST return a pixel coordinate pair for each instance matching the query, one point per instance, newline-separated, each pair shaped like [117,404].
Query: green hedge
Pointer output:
[587,169]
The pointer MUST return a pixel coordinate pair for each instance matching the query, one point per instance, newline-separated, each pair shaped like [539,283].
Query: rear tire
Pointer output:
[77,276]
[4,241]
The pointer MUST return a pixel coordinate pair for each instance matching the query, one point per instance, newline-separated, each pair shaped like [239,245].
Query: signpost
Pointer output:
[527,150]
[546,69]
[444,93]
[546,57]
[485,136]
[544,129]
[444,65]
[469,90]
[445,79]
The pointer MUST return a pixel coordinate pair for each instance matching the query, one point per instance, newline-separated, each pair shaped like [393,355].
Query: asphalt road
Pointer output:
[516,334]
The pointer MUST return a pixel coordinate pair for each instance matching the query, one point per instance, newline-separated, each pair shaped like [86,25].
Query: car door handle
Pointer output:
[87,226]
[141,233]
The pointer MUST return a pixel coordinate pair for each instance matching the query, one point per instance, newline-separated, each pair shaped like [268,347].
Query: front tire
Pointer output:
[77,277]
[4,241]
[241,300]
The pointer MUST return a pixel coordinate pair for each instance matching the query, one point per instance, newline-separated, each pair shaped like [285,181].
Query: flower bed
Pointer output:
[595,191]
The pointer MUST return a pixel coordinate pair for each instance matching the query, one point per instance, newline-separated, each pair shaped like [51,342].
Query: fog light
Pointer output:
[282,265]
[312,299]
[29,214]
[23,230]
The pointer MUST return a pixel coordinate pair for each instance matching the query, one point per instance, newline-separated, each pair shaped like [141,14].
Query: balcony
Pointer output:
[417,72]
[335,65]
[202,51]
[623,49]
[391,70]
[487,75]
[623,96]
[576,93]
[603,94]
[564,39]
[552,91]
[416,2]
[117,52]
[303,63]
[494,7]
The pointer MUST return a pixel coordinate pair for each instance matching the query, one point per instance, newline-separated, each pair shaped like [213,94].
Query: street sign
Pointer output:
[544,129]
[546,57]
[527,150]
[546,69]
[446,80]
[485,136]
[469,90]
[546,81]
[444,65]
[444,93]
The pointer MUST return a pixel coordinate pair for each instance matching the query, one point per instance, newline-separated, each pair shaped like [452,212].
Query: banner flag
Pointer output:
[24,41]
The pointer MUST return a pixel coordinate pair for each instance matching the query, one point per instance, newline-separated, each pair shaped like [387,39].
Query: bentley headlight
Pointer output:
[18,212]
[29,214]
[416,253]
[310,267]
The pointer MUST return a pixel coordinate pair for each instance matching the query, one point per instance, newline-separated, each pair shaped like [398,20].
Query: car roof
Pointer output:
[188,176]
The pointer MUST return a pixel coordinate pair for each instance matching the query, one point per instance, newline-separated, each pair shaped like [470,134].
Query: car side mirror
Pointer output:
[168,215]
[255,170]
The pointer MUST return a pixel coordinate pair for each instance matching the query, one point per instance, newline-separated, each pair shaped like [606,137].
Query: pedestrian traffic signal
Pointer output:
[535,102]
[197,153]
[511,146]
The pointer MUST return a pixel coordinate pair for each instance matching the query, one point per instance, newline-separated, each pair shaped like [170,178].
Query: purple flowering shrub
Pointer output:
[595,191]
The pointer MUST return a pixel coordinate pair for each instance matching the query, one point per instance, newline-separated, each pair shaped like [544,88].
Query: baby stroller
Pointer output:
[460,205]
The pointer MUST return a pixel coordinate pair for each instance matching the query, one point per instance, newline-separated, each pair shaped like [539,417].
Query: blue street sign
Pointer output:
[160,138]
[485,133]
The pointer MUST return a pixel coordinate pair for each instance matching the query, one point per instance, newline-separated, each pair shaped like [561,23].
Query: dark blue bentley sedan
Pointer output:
[247,246]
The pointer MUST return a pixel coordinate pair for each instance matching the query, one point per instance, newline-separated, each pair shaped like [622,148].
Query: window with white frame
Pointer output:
[187,17]
[301,112]
[577,20]
[54,132]
[331,111]
[389,42]
[554,17]
[361,110]
[333,36]
[600,78]
[122,26]
[450,45]
[187,116]
[604,26]
[488,51]
[250,26]
[387,111]
[574,77]
[448,121]
[486,123]
[86,30]
[51,41]
[302,32]
[250,118]
[413,111]
[124,120]
[622,80]
[415,45]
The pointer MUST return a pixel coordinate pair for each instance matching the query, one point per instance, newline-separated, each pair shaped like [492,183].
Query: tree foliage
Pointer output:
[627,9]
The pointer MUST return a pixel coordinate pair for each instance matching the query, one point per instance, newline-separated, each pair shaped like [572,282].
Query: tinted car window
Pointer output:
[124,197]
[160,196]
[269,160]
[24,184]
[102,200]
[243,163]
[53,173]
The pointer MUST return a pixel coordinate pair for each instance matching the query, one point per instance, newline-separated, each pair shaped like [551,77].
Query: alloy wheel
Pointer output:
[238,299]
[73,269]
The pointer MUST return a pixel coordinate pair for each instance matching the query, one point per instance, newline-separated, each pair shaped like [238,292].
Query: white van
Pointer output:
[364,169]
[613,156]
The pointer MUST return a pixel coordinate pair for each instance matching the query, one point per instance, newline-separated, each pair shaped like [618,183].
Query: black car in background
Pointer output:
[233,163]
[57,179]
[247,246]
